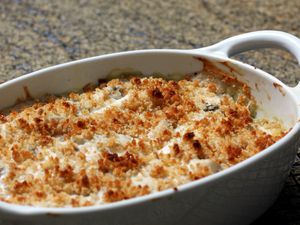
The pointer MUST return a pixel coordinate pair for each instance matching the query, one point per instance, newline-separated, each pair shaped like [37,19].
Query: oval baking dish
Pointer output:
[236,195]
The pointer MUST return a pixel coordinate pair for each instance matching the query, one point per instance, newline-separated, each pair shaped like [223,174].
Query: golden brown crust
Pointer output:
[127,138]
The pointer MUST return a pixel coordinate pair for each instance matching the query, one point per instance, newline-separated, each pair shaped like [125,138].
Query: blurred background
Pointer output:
[38,33]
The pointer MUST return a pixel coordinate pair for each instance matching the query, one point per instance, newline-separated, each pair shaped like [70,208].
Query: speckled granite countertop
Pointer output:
[38,34]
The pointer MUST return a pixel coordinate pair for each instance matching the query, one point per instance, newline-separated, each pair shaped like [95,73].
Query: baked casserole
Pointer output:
[128,137]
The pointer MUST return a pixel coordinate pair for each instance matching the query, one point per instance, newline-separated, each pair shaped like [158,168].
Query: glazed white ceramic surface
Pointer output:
[237,195]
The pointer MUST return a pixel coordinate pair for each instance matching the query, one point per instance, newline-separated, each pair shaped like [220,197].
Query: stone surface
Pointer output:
[37,34]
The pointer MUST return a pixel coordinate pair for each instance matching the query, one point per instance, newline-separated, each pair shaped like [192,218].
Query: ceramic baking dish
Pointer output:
[237,195]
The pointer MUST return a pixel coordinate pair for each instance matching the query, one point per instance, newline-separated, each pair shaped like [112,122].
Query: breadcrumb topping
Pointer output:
[128,138]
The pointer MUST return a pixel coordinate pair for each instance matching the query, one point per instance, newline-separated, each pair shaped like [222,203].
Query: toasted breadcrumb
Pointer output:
[127,138]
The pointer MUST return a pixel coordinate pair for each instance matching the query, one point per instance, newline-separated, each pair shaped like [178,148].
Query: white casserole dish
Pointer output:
[237,195]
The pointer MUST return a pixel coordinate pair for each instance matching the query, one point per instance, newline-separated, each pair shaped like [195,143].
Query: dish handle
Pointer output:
[255,40]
